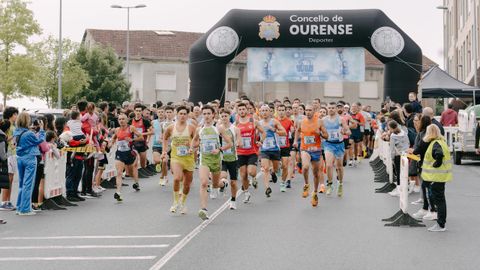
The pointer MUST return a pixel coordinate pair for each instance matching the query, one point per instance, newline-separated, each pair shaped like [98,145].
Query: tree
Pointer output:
[74,77]
[17,70]
[107,83]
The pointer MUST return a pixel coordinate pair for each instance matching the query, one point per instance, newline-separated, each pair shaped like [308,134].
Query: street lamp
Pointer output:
[60,60]
[128,33]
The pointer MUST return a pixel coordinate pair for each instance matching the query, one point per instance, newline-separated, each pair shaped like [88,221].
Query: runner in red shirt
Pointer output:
[247,152]
[285,146]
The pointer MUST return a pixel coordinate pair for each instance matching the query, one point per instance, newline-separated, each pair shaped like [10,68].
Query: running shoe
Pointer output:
[289,184]
[7,206]
[136,186]
[30,213]
[274,177]
[329,189]
[248,195]
[417,202]
[162,182]
[225,185]
[314,199]
[420,213]
[117,197]
[430,216]
[305,190]
[322,188]
[437,228]
[232,205]
[254,183]
[268,191]
[203,214]
[340,190]
[173,208]
[183,209]
[283,187]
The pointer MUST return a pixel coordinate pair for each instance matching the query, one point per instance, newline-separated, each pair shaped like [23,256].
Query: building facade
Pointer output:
[461,38]
[159,71]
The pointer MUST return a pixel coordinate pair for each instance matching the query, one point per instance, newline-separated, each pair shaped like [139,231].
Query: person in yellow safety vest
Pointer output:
[437,168]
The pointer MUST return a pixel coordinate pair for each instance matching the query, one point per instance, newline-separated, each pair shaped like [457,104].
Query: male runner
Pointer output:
[143,127]
[357,126]
[270,149]
[310,130]
[125,157]
[334,149]
[230,160]
[247,151]
[182,162]
[285,145]
[207,137]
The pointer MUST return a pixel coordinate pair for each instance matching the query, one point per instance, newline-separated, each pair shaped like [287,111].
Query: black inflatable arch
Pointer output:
[240,29]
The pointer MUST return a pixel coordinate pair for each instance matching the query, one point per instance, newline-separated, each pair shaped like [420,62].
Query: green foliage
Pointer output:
[107,82]
[74,77]
[17,70]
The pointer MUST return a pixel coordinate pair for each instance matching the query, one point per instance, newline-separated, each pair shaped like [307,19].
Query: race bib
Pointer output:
[334,135]
[123,146]
[247,142]
[309,139]
[229,151]
[282,141]
[208,146]
[269,143]
[182,150]
[139,130]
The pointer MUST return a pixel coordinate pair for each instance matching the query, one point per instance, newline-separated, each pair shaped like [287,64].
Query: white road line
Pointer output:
[90,237]
[158,265]
[76,258]
[83,247]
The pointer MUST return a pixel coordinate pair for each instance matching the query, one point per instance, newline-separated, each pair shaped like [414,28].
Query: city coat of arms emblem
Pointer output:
[269,28]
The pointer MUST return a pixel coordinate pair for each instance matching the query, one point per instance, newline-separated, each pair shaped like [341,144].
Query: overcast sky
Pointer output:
[418,18]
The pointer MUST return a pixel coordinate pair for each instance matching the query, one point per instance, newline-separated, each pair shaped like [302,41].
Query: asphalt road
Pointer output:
[283,232]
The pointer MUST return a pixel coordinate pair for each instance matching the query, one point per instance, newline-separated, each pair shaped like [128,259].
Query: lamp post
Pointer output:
[60,60]
[128,34]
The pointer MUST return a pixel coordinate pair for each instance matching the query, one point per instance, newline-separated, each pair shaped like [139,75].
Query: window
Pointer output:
[165,81]
[333,89]
[232,85]
[368,89]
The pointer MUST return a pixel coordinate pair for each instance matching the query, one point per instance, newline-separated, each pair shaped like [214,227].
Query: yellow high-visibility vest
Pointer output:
[442,173]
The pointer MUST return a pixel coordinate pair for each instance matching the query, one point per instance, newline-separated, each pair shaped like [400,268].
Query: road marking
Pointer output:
[84,247]
[171,253]
[76,258]
[91,237]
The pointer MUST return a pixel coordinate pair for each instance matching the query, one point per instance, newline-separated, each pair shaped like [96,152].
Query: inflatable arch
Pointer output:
[240,29]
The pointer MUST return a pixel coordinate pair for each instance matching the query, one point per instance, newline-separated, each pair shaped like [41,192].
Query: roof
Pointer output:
[436,83]
[166,44]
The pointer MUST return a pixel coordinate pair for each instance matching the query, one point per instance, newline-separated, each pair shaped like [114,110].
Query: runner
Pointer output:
[270,148]
[182,162]
[357,127]
[157,147]
[169,120]
[247,152]
[125,157]
[285,145]
[334,149]
[310,130]
[230,160]
[143,127]
[341,110]
[367,133]
[207,137]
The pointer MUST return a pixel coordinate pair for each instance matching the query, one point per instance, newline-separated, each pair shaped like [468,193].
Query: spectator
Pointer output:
[10,114]
[27,152]
[4,126]
[417,107]
[449,117]
[429,112]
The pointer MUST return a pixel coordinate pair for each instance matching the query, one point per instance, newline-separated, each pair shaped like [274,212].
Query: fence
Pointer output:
[381,163]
